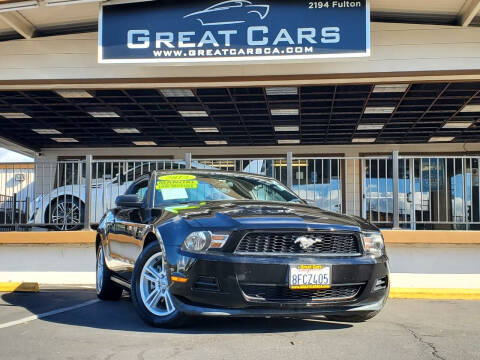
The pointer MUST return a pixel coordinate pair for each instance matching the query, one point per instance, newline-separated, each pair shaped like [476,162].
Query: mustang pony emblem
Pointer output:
[305,242]
[229,12]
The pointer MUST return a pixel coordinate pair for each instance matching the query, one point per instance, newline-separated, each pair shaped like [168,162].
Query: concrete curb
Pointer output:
[19,287]
[435,294]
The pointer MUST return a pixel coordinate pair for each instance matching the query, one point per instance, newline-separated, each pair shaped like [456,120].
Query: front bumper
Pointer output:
[229,275]
[198,310]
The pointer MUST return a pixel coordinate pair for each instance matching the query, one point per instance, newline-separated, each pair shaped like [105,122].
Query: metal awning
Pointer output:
[248,116]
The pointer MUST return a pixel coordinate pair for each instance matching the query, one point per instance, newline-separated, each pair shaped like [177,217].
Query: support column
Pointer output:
[395,175]
[188,160]
[290,169]
[352,186]
[44,175]
[88,193]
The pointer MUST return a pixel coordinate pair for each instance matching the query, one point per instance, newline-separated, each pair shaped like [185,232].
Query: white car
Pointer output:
[63,208]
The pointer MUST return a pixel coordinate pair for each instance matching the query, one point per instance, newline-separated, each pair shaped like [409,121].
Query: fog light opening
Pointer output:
[381,284]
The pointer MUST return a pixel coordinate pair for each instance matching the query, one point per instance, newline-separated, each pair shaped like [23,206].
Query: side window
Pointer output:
[262,192]
[140,188]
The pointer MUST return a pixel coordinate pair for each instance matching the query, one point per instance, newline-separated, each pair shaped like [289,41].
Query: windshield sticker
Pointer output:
[174,194]
[177,181]
[177,177]
[177,184]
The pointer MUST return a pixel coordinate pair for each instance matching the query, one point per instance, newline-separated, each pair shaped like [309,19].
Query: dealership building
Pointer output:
[367,108]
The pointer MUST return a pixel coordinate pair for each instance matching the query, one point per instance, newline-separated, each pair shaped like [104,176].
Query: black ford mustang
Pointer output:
[213,243]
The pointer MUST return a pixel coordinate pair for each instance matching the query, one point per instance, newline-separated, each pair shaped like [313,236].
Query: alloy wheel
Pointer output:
[65,215]
[100,266]
[154,286]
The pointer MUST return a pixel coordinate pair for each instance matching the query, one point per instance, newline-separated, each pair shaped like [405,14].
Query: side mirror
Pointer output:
[132,201]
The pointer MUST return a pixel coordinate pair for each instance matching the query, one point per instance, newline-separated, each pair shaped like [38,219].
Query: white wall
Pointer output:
[434,259]
[398,51]
[434,266]
[48,264]
[10,186]
[256,151]
[420,266]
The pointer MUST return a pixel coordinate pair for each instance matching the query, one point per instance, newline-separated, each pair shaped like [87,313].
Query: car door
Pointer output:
[125,238]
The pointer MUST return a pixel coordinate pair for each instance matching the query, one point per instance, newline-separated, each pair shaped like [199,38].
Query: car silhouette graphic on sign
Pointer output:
[229,12]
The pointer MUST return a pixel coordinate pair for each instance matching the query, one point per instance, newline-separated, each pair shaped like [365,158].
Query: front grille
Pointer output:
[284,294]
[284,243]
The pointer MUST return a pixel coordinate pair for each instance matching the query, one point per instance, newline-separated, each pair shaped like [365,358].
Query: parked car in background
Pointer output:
[211,243]
[63,208]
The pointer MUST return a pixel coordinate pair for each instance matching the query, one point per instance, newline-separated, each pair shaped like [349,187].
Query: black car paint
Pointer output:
[123,232]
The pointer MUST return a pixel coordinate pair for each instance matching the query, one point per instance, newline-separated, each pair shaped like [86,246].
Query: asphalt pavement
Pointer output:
[72,324]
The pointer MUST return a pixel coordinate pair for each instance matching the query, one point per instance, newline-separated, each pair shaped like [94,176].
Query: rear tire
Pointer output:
[354,318]
[150,289]
[106,288]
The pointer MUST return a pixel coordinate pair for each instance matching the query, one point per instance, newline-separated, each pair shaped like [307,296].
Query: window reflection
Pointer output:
[434,193]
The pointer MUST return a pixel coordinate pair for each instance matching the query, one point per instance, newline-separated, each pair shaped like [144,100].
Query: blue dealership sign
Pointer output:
[182,31]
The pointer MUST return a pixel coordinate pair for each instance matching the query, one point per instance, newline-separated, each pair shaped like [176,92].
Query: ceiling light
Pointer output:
[205,129]
[65,140]
[145,143]
[288,141]
[379,109]
[281,90]
[74,94]
[126,130]
[46,131]
[104,114]
[370,127]
[286,128]
[390,88]
[471,108]
[457,124]
[441,139]
[216,142]
[15,115]
[363,140]
[196,113]
[20,5]
[177,93]
[284,111]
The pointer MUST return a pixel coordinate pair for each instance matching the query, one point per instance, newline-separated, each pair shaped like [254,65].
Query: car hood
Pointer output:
[237,215]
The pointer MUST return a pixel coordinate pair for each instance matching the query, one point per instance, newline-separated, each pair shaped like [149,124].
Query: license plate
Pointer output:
[310,277]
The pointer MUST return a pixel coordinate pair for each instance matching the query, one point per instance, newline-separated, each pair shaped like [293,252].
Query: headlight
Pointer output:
[204,240]
[373,244]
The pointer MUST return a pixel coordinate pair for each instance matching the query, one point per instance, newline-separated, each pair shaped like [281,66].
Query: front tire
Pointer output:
[65,213]
[106,288]
[150,289]
[354,318]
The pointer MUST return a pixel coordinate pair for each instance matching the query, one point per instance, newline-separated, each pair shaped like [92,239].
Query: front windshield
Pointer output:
[183,188]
